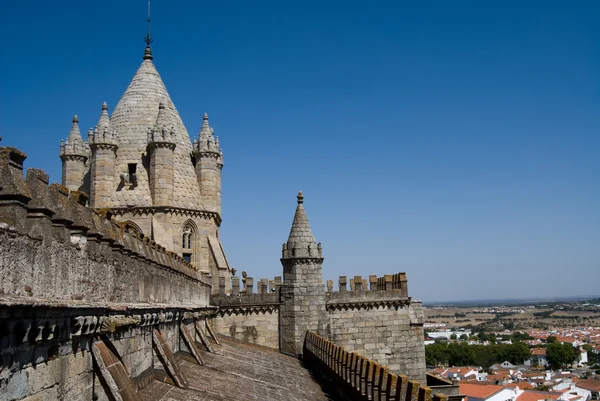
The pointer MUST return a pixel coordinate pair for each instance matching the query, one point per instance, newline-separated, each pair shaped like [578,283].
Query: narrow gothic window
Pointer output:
[186,242]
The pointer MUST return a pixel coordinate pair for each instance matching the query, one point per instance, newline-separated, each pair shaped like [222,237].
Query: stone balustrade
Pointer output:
[360,378]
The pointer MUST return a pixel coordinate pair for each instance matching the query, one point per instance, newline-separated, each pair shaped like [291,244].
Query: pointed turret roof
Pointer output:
[161,118]
[103,121]
[74,134]
[135,113]
[301,235]
[205,130]
[74,145]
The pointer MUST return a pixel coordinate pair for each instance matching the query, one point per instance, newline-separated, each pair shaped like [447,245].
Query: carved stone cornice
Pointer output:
[367,304]
[73,157]
[207,154]
[161,145]
[104,146]
[247,309]
[177,211]
[301,261]
[34,321]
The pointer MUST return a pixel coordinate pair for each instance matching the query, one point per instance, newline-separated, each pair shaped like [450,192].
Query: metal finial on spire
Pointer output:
[148,39]
[300,197]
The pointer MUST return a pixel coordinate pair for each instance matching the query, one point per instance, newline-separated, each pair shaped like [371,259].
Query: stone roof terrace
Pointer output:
[237,371]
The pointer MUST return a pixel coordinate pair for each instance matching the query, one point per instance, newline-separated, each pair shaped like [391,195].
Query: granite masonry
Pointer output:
[126,294]
[140,164]
[375,317]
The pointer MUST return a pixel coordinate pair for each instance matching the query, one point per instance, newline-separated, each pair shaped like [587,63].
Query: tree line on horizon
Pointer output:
[463,354]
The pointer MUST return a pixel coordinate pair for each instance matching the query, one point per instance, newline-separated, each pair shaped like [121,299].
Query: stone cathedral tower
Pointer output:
[140,164]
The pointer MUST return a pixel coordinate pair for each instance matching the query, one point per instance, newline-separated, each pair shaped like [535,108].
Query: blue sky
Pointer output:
[456,141]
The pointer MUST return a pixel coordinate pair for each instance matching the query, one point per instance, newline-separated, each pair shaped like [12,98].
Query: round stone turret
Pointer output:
[103,142]
[161,144]
[302,260]
[74,153]
[209,163]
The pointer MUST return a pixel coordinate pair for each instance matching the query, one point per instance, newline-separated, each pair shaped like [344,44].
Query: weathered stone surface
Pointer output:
[114,373]
[237,371]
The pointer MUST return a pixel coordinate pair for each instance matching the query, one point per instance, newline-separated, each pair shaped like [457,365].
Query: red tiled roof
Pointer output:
[538,351]
[528,395]
[589,384]
[478,391]
[521,385]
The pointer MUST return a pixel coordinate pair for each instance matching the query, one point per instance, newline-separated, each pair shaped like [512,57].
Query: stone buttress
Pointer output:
[302,291]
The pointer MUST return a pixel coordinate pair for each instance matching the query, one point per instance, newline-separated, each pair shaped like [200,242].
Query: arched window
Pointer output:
[187,241]
[132,227]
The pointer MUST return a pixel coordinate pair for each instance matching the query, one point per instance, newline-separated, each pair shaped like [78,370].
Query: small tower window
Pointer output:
[131,169]
[187,242]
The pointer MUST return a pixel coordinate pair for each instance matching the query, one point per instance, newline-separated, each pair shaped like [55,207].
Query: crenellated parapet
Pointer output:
[52,226]
[387,282]
[308,252]
[249,316]
[358,377]
[389,290]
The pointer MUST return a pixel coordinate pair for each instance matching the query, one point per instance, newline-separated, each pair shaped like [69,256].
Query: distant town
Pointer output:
[517,352]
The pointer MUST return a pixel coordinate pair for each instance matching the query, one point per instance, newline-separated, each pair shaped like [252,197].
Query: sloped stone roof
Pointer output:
[240,372]
[135,113]
[301,235]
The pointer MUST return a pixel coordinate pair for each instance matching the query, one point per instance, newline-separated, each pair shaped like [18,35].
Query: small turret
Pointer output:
[103,143]
[161,144]
[209,163]
[302,260]
[301,243]
[74,153]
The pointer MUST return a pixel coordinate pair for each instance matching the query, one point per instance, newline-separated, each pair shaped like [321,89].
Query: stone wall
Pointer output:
[383,325]
[76,285]
[252,318]
[356,377]
[46,349]
[53,247]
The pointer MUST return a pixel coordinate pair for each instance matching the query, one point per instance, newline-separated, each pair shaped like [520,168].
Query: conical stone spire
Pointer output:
[205,130]
[74,144]
[133,116]
[301,242]
[73,154]
[75,134]
[161,118]
[104,122]
[206,141]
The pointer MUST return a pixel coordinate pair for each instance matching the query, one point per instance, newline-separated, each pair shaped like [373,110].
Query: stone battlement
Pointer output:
[359,378]
[389,282]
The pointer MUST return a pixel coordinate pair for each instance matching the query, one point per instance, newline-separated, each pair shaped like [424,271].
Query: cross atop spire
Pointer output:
[148,39]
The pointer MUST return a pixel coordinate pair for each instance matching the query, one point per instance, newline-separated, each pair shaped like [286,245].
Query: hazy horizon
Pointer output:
[457,142]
